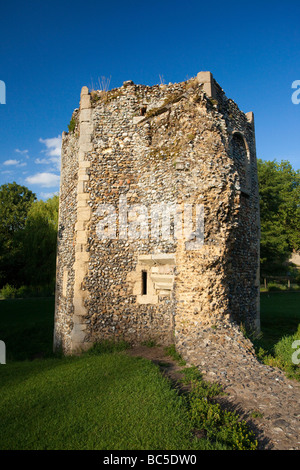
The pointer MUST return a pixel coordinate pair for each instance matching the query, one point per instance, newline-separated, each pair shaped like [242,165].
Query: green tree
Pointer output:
[279,191]
[39,240]
[15,203]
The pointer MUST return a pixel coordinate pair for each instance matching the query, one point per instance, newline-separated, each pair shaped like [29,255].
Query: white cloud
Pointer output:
[46,180]
[11,162]
[53,145]
[48,195]
[42,161]
[22,152]
[53,151]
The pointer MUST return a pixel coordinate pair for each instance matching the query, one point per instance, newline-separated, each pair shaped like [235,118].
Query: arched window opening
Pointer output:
[241,156]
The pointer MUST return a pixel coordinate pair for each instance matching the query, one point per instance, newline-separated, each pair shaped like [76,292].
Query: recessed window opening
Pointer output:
[241,155]
[143,111]
[144,282]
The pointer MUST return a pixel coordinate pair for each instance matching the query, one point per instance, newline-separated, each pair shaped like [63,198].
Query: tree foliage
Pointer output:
[28,235]
[279,191]
[39,242]
[15,203]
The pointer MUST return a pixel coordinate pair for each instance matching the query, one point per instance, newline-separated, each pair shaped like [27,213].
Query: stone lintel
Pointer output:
[161,258]
[145,259]
[164,258]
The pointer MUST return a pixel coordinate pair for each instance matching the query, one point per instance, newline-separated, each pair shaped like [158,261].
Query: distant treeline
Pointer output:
[279,192]
[28,237]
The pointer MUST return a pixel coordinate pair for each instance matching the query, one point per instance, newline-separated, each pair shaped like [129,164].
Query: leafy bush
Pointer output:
[72,125]
[200,388]
[23,292]
[171,351]
[39,241]
[221,425]
[283,349]
[282,356]
[274,286]
[8,292]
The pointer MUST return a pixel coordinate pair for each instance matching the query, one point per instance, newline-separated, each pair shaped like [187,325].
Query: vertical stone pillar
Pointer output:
[208,83]
[83,217]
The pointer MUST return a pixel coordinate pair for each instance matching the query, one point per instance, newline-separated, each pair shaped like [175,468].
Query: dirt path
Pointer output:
[168,366]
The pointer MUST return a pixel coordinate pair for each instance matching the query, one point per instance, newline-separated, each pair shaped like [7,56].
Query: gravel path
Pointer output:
[260,393]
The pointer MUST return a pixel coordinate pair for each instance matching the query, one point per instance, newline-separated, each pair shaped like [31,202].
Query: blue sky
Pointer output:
[50,49]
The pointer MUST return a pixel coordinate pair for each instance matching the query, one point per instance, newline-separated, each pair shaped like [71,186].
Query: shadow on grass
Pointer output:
[26,327]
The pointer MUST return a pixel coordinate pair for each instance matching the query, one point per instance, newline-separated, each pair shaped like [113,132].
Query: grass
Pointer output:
[103,399]
[280,316]
[280,326]
[108,400]
[26,327]
[171,351]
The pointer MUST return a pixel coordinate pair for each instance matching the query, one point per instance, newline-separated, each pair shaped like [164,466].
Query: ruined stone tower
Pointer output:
[159,215]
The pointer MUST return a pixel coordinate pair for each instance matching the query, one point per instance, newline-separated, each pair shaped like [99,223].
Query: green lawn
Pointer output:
[99,400]
[26,327]
[110,401]
[106,400]
[280,327]
[280,316]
